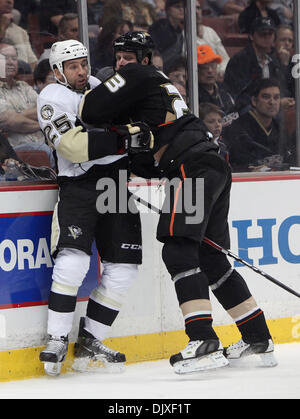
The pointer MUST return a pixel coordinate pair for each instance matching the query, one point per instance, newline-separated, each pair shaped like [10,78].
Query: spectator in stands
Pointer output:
[284,9]
[212,116]
[6,153]
[213,8]
[95,11]
[209,89]
[233,7]
[18,114]
[6,150]
[25,8]
[102,54]
[168,33]
[140,24]
[218,7]
[157,60]
[283,53]
[52,11]
[254,140]
[43,75]
[257,8]
[208,36]
[177,71]
[68,28]
[181,89]
[15,34]
[252,63]
[129,10]
[159,7]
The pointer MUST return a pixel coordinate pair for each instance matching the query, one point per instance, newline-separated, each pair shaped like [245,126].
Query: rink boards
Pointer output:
[265,229]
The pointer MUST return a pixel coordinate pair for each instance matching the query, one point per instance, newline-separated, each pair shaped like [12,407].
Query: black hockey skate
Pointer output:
[199,356]
[54,354]
[241,349]
[88,351]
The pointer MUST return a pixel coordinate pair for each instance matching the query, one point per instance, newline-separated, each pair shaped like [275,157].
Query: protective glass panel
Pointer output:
[247,65]
[245,68]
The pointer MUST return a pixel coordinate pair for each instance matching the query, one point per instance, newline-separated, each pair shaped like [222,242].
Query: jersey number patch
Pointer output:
[62,125]
[115,83]
[178,104]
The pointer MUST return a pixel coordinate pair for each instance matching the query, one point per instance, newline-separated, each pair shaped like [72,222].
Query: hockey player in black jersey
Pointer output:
[182,148]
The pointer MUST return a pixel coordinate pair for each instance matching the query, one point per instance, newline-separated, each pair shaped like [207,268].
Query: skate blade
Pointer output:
[268,360]
[52,368]
[208,362]
[265,360]
[97,365]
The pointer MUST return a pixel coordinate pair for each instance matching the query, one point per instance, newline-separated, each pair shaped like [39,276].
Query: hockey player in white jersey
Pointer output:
[83,156]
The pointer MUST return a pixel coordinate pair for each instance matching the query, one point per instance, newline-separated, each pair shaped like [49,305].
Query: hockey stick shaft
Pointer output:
[254,268]
[226,252]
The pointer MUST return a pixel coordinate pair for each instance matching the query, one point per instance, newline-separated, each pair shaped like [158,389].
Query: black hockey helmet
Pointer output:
[139,42]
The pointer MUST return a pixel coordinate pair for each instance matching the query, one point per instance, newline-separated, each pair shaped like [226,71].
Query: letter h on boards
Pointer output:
[265,241]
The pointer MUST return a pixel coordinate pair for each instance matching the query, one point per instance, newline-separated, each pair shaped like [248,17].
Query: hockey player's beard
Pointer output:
[81,87]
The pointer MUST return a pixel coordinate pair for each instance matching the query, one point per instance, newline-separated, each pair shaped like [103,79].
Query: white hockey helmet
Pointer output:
[64,51]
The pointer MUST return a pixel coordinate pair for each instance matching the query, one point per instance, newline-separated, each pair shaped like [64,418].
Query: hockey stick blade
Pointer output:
[227,252]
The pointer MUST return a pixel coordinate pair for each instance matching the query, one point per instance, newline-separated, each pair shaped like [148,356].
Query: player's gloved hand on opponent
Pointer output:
[144,165]
[135,138]
[105,73]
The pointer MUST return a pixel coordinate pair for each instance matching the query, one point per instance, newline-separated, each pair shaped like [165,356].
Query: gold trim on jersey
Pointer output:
[267,132]
[82,103]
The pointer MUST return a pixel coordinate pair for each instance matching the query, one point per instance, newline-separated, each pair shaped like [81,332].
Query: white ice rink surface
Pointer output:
[156,380]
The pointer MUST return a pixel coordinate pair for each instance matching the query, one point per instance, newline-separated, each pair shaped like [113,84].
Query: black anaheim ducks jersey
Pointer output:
[138,93]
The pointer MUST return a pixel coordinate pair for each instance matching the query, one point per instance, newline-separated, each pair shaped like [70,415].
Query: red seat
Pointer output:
[38,39]
[231,51]
[219,24]
[35,158]
[235,40]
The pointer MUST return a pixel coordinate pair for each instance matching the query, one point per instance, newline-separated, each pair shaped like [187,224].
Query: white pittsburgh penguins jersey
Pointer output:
[57,109]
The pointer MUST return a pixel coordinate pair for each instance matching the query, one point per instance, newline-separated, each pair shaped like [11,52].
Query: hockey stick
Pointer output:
[227,252]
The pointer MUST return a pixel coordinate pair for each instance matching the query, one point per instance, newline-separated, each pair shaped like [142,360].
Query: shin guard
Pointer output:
[191,285]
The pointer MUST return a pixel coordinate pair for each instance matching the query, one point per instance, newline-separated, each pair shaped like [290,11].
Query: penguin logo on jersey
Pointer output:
[47,112]
[75,232]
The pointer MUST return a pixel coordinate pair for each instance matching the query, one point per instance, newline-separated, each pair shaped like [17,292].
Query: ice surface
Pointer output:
[156,380]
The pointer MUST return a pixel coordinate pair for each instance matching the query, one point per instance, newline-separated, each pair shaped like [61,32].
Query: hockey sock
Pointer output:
[233,293]
[61,310]
[199,326]
[181,257]
[253,327]
[100,313]
[192,294]
[71,266]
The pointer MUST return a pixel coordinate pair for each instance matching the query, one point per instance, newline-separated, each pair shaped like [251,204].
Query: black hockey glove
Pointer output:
[143,165]
[135,138]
